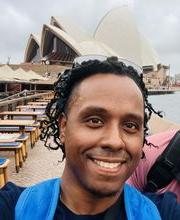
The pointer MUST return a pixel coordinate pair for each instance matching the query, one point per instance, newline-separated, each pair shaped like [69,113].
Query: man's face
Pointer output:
[103,133]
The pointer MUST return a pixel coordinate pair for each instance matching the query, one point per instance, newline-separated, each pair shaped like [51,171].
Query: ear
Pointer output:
[62,126]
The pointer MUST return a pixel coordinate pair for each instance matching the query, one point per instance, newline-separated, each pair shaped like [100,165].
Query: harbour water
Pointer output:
[169,104]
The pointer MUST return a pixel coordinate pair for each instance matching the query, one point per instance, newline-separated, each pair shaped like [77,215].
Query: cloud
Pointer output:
[19,18]
[158,20]
[160,23]
[14,28]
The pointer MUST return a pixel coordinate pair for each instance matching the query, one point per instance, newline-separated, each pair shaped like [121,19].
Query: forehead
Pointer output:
[107,89]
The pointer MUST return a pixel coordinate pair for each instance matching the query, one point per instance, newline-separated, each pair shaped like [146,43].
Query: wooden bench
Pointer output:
[16,147]
[3,171]
[31,107]
[22,115]
[23,138]
[38,103]
[19,137]
[16,137]
[21,126]
[30,130]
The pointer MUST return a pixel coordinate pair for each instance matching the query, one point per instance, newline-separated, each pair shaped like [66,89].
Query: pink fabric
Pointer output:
[138,178]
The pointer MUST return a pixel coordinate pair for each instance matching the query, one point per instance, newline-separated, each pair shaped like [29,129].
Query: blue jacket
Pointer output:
[40,201]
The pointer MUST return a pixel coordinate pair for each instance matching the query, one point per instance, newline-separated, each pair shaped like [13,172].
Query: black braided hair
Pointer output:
[69,80]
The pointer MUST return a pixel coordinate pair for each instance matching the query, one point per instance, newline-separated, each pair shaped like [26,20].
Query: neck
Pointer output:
[80,201]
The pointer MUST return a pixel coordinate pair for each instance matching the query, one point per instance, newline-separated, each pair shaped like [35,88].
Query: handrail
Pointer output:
[24,92]
[7,102]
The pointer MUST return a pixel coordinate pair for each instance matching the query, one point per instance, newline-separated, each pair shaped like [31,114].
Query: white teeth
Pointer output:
[106,164]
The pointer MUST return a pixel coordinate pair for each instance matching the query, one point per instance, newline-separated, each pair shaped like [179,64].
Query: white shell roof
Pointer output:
[118,30]
[68,26]
[95,47]
[116,34]
[32,38]
[61,35]
[148,54]
[82,48]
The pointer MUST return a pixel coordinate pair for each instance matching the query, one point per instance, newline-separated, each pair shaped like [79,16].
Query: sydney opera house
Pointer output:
[59,42]
[116,34]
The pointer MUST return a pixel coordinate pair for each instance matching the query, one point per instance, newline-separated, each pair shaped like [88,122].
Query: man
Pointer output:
[98,119]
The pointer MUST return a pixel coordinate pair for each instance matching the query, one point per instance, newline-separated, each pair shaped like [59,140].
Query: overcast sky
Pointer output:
[158,20]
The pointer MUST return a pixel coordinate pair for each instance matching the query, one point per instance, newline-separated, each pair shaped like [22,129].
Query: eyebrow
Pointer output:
[135,117]
[102,111]
[94,110]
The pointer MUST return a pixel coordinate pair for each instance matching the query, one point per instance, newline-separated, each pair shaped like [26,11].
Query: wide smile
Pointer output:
[109,165]
[106,166]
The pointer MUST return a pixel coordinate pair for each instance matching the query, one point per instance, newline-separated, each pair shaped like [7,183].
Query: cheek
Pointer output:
[135,152]
[135,148]
[75,141]
[80,135]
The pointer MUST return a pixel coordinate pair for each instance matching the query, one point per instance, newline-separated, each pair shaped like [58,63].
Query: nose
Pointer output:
[113,139]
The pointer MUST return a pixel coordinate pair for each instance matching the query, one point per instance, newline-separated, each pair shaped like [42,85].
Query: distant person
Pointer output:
[98,119]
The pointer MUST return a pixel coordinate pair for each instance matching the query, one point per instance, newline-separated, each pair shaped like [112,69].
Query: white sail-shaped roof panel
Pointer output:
[32,41]
[149,55]
[116,35]
[68,40]
[95,47]
[72,29]
[118,30]
[81,48]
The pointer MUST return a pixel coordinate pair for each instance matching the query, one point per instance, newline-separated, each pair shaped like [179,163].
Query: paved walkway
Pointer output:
[41,164]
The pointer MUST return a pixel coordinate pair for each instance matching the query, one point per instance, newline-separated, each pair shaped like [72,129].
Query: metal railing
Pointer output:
[19,94]
[23,94]
[11,104]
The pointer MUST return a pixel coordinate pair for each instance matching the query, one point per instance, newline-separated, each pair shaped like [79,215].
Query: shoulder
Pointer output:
[9,195]
[160,141]
[39,198]
[139,206]
[166,204]
[136,196]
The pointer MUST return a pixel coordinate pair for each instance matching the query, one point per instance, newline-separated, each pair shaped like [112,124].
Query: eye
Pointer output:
[131,126]
[94,122]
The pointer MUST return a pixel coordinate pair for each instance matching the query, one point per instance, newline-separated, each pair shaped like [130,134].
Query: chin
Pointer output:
[103,191]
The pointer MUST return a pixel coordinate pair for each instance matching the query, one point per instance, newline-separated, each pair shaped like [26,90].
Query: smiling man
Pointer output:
[98,119]
[103,134]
